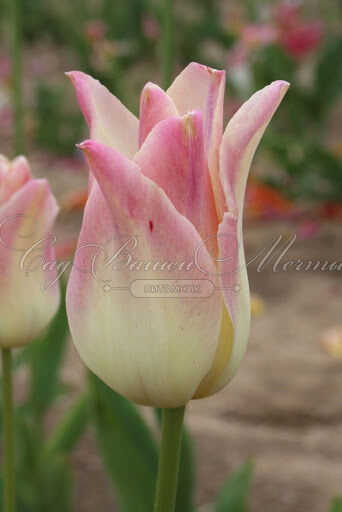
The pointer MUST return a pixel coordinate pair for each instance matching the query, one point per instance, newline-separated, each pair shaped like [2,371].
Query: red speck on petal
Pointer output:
[151,225]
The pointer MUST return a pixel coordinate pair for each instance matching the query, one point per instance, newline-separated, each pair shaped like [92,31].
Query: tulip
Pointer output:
[296,36]
[301,39]
[27,213]
[173,180]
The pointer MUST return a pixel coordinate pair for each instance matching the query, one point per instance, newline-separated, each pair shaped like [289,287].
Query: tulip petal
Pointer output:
[16,175]
[154,351]
[155,106]
[200,87]
[239,144]
[235,289]
[173,157]
[26,218]
[241,139]
[109,121]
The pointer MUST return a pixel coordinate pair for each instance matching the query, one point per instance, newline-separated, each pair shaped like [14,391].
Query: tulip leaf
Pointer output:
[46,355]
[56,490]
[233,496]
[329,73]
[28,444]
[127,447]
[186,478]
[43,479]
[71,426]
[336,504]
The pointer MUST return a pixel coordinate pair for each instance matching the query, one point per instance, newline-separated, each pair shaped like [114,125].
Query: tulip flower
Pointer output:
[176,182]
[296,36]
[27,213]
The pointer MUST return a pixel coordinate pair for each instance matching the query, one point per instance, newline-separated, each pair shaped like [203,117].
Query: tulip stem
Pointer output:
[167,42]
[15,45]
[8,427]
[169,455]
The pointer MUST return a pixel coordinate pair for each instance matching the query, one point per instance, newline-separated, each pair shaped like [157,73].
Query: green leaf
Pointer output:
[55,488]
[127,447]
[43,478]
[328,76]
[70,428]
[186,479]
[28,442]
[234,494]
[46,354]
[336,504]
[312,172]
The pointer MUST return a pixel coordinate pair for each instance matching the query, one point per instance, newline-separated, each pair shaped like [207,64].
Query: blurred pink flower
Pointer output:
[5,68]
[286,14]
[287,28]
[307,229]
[150,27]
[6,117]
[297,36]
[39,66]
[237,55]
[302,39]
[95,30]
[258,35]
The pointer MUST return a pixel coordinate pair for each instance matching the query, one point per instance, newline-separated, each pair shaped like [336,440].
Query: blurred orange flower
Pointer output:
[74,200]
[264,201]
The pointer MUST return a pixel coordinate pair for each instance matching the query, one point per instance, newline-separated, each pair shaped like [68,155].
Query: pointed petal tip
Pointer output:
[21,159]
[86,145]
[74,76]
[282,85]
[149,91]
[42,185]
[212,71]
[71,76]
[151,85]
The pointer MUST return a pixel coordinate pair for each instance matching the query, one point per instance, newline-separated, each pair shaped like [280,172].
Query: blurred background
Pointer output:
[284,408]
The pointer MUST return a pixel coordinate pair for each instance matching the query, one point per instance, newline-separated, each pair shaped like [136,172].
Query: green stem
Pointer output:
[167,53]
[7,397]
[171,436]
[15,45]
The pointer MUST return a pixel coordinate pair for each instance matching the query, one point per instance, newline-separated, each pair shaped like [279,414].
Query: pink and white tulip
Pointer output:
[27,213]
[172,179]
